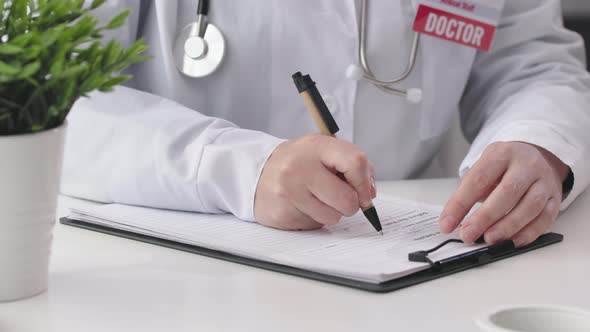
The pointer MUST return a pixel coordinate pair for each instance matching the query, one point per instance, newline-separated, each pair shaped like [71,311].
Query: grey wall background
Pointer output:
[576,7]
[577,18]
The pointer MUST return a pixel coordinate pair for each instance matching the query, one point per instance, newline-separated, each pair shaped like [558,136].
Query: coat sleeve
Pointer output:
[133,147]
[532,87]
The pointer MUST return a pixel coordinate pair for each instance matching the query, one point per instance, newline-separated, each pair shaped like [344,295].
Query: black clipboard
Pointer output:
[455,265]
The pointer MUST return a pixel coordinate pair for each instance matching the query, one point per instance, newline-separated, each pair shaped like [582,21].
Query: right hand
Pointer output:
[313,181]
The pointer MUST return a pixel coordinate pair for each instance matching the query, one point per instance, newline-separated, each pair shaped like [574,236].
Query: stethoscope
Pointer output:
[200,48]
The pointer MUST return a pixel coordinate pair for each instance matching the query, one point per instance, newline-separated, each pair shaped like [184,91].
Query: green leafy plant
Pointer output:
[51,54]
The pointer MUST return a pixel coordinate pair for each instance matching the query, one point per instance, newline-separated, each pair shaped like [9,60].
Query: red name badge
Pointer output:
[460,23]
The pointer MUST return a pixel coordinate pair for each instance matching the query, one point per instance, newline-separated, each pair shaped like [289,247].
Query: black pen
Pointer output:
[327,126]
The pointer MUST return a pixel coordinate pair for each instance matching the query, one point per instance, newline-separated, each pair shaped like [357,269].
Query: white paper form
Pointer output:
[351,249]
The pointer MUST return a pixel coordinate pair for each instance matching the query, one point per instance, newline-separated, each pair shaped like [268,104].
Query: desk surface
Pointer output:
[104,283]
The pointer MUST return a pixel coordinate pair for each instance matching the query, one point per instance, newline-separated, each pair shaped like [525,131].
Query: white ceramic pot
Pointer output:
[534,318]
[30,171]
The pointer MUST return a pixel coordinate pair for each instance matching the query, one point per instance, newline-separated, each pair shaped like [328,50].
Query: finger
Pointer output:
[477,182]
[372,177]
[529,208]
[506,195]
[318,211]
[371,168]
[303,223]
[488,192]
[353,164]
[538,226]
[288,217]
[334,192]
[373,189]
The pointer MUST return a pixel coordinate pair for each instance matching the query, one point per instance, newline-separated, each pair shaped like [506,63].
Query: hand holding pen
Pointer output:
[314,181]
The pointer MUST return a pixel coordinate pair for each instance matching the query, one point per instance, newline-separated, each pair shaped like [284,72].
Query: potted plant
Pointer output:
[51,54]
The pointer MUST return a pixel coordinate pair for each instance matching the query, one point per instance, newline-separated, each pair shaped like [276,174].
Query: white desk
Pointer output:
[104,283]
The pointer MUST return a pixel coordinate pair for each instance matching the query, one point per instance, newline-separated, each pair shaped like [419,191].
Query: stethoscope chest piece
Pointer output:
[199,57]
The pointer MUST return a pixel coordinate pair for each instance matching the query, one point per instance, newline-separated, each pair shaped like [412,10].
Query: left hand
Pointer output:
[520,186]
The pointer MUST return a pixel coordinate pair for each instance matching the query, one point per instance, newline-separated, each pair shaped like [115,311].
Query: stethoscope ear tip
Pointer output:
[414,96]
[355,72]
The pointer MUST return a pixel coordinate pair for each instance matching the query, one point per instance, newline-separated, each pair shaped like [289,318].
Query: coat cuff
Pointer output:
[230,168]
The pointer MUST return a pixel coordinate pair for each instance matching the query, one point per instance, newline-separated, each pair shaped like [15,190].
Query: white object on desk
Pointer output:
[535,319]
[103,283]
[30,168]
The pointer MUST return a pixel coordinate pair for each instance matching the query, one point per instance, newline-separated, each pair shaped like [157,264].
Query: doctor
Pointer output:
[238,139]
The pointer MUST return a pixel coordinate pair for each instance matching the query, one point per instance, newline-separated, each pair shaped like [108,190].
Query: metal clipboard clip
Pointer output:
[478,256]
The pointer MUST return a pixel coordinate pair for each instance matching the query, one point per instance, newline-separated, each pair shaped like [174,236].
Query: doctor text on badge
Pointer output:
[454,28]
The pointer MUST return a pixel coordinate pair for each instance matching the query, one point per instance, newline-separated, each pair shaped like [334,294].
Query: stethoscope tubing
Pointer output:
[384,85]
[202,61]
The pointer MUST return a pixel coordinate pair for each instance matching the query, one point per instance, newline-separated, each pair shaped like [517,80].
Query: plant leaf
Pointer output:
[71,71]
[78,4]
[4,116]
[110,84]
[118,20]
[52,53]
[112,54]
[23,40]
[8,49]
[7,69]
[32,52]
[51,35]
[97,3]
[30,69]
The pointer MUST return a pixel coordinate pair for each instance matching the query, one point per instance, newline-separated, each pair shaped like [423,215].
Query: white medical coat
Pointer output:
[175,142]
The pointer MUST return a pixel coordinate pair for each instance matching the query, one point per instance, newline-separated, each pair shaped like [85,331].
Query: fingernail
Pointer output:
[468,233]
[492,236]
[446,223]
[518,242]
[522,240]
[366,204]
[371,170]
[373,188]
